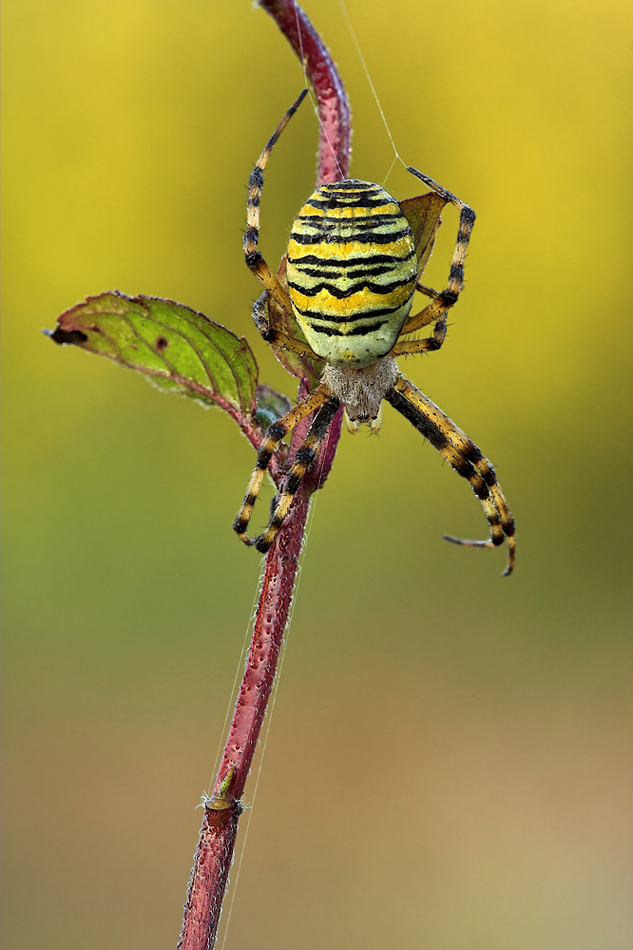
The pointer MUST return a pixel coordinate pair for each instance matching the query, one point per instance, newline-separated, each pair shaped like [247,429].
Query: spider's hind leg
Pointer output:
[274,434]
[304,458]
[465,457]
[497,504]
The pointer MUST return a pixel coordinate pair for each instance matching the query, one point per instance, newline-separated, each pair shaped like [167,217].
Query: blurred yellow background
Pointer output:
[448,763]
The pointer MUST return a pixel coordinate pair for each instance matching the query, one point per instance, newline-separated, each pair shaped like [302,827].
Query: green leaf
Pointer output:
[175,347]
[423,214]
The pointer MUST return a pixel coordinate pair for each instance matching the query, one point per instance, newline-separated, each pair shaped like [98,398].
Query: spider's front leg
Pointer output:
[440,302]
[465,457]
[252,254]
[274,434]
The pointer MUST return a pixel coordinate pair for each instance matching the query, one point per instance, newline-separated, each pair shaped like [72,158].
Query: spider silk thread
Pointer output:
[308,86]
[352,33]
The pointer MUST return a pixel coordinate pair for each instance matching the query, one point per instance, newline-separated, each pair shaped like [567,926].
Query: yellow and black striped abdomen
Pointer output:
[351,272]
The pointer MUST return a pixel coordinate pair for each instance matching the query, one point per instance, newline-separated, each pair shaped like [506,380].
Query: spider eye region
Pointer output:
[351,269]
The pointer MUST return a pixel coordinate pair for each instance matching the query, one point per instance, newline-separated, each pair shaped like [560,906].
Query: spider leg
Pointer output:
[427,291]
[304,458]
[276,335]
[252,254]
[274,434]
[464,456]
[427,345]
[447,298]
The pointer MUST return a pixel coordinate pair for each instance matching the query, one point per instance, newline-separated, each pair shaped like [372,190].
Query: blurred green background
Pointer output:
[448,763]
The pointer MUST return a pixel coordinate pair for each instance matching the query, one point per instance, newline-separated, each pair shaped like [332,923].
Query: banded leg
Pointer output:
[304,458]
[464,456]
[274,434]
[427,345]
[252,254]
[277,336]
[445,300]
[430,344]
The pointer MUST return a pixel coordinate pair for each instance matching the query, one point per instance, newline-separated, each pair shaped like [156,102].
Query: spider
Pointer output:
[354,261]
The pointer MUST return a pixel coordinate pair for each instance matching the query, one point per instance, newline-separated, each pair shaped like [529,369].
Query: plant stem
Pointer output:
[332,102]
[221,813]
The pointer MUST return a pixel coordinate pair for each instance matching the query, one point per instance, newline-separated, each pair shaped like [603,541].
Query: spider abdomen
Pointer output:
[351,271]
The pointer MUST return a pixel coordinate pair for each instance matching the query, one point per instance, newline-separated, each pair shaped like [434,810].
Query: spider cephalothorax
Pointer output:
[354,261]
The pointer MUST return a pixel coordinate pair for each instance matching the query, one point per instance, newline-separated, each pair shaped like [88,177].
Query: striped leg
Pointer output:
[252,254]
[427,345]
[464,456]
[304,458]
[275,434]
[445,300]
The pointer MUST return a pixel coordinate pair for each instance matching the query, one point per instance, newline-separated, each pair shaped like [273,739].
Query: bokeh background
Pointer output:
[448,763]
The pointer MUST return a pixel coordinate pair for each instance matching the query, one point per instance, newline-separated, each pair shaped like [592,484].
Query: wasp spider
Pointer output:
[354,260]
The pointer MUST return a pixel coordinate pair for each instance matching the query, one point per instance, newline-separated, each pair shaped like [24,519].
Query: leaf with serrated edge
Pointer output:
[177,348]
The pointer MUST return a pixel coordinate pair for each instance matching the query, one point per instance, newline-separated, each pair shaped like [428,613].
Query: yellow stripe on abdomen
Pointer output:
[351,272]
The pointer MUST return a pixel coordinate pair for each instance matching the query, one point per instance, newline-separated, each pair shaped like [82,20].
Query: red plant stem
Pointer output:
[219,826]
[332,102]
